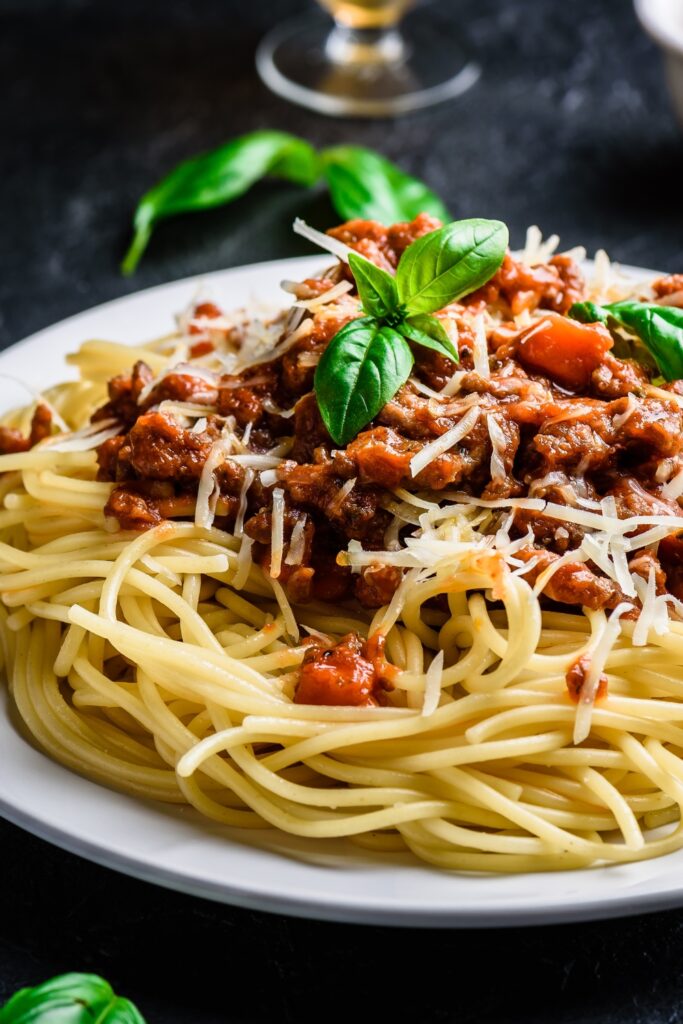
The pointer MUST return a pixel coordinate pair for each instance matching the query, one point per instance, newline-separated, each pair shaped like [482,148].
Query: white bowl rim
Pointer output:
[663,21]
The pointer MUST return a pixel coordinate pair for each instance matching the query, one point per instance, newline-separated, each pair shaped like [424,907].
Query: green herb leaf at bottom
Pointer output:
[447,264]
[220,176]
[376,287]
[365,184]
[70,999]
[361,370]
[429,332]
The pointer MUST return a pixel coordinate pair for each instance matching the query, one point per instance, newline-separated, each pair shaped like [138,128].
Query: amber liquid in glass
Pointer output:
[360,14]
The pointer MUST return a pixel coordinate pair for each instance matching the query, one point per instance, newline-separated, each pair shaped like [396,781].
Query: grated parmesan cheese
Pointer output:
[498,445]
[244,563]
[286,609]
[341,495]
[535,249]
[323,241]
[647,592]
[82,440]
[442,444]
[607,638]
[208,490]
[432,692]
[674,489]
[631,405]
[331,295]
[187,370]
[480,349]
[277,532]
[452,386]
[297,542]
[242,507]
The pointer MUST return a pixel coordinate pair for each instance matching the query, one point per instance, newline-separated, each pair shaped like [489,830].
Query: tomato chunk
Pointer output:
[564,350]
[339,675]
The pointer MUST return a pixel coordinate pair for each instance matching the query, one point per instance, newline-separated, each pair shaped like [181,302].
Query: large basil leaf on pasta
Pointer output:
[376,287]
[429,332]
[70,999]
[447,264]
[359,372]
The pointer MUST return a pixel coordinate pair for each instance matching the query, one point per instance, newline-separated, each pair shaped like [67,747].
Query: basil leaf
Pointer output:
[361,370]
[589,313]
[364,184]
[658,328]
[70,999]
[447,264]
[219,177]
[428,331]
[377,288]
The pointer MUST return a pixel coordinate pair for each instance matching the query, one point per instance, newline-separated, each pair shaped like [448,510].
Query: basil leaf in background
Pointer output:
[658,328]
[364,184]
[361,369]
[219,177]
[70,999]
[428,331]
[447,264]
[377,288]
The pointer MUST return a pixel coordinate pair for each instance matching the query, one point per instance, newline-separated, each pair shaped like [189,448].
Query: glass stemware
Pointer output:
[379,57]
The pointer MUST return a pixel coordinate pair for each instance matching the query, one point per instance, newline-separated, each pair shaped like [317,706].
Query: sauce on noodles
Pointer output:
[493,672]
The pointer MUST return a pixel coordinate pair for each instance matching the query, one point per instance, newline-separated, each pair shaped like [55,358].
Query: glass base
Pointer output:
[366,73]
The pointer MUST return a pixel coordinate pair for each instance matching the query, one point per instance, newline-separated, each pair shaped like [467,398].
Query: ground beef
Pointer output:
[181,387]
[158,449]
[672,284]
[615,378]
[376,584]
[124,392]
[576,677]
[13,441]
[573,583]
[132,510]
[384,246]
[555,285]
[572,422]
[671,557]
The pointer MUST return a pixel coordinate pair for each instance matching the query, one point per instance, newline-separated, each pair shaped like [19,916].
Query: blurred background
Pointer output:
[569,127]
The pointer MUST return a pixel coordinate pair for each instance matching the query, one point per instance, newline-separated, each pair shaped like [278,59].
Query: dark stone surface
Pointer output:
[568,128]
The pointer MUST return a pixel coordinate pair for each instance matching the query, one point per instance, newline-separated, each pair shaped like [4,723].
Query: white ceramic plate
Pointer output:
[266,871]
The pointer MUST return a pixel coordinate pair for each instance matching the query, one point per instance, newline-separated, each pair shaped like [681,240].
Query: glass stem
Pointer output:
[346,45]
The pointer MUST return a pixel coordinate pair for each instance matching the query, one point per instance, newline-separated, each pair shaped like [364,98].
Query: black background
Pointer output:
[569,128]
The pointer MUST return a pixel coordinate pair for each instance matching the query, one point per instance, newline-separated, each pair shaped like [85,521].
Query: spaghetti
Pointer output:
[162,638]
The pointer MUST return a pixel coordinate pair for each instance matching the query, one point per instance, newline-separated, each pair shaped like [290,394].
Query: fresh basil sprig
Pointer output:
[658,328]
[362,183]
[70,999]
[369,359]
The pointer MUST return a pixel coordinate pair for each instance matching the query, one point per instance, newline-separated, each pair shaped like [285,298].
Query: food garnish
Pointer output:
[70,999]
[658,327]
[369,359]
[362,183]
